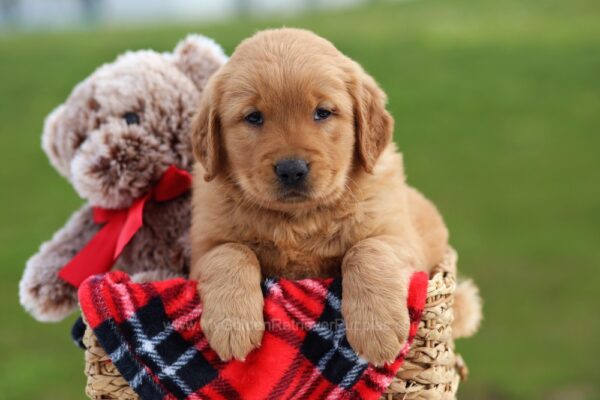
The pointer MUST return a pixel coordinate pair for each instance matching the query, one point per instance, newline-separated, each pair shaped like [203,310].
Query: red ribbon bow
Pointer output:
[101,252]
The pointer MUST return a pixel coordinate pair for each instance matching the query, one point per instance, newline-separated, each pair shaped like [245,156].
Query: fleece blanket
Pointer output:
[153,335]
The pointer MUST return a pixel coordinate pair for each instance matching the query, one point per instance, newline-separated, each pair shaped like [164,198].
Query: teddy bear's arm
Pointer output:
[42,293]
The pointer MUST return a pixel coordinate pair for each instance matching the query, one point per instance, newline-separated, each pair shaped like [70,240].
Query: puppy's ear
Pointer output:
[374,124]
[206,132]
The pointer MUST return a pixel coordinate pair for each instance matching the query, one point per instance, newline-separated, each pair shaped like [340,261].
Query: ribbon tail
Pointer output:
[132,224]
[96,257]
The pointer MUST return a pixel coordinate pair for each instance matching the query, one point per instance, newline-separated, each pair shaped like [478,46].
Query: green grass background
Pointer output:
[497,107]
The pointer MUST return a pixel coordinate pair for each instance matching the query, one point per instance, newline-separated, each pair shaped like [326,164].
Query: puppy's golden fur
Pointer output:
[358,217]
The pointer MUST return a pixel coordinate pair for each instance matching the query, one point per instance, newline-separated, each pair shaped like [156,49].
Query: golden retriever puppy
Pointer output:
[298,177]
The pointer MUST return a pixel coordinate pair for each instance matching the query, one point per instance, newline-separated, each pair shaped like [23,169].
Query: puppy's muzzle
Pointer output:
[292,173]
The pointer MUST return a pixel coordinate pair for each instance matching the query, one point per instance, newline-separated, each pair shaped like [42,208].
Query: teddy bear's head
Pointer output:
[123,126]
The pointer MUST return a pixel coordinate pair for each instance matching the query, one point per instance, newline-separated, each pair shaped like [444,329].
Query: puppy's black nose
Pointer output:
[291,172]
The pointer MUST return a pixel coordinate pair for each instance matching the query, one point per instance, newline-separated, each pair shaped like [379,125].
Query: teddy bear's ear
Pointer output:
[54,140]
[199,57]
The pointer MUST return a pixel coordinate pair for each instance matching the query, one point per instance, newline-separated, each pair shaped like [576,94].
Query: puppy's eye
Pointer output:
[254,118]
[131,118]
[321,114]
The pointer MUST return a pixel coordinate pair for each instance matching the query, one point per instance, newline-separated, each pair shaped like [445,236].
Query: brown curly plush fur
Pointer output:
[111,163]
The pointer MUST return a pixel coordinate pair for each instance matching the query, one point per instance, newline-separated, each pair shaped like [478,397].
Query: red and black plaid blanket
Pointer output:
[152,333]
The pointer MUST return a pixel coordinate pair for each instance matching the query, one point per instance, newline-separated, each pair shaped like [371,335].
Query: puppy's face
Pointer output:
[288,132]
[287,118]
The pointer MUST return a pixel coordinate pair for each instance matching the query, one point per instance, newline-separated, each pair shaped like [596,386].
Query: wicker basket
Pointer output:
[431,370]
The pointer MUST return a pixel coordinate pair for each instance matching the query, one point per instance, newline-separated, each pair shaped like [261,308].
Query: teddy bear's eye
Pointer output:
[131,118]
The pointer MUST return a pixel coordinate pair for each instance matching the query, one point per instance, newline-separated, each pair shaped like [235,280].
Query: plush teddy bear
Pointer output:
[121,139]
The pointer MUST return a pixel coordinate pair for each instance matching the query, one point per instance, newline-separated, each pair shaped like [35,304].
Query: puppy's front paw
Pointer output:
[376,328]
[234,326]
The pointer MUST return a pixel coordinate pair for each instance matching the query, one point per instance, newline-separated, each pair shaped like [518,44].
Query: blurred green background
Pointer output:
[497,107]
